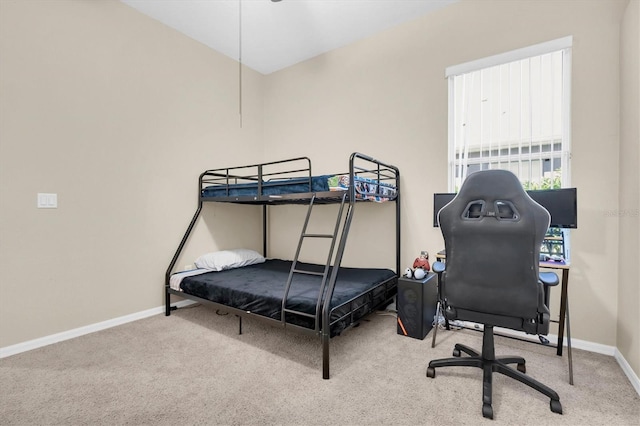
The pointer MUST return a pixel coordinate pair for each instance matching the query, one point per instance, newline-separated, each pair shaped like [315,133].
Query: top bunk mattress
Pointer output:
[274,187]
[365,189]
[259,288]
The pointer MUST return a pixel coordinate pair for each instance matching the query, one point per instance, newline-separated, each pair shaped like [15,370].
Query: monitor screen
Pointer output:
[439,201]
[562,205]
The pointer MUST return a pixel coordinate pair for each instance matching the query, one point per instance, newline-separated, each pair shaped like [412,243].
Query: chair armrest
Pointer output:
[548,278]
[439,267]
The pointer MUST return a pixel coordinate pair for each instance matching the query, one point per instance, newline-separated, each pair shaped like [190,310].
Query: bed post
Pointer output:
[325,355]
[264,230]
[167,301]
[167,296]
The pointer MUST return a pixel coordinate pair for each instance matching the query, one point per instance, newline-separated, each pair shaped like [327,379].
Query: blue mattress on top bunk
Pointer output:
[271,187]
[365,188]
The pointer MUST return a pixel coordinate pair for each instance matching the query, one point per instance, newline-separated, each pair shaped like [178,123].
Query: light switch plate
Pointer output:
[47,201]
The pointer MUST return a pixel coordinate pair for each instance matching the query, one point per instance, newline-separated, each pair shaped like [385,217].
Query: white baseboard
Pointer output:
[631,375]
[81,331]
[553,339]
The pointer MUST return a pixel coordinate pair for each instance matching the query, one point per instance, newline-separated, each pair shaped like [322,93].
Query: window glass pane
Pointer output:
[525,171]
[536,172]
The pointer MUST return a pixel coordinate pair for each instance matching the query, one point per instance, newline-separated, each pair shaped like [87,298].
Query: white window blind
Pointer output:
[512,115]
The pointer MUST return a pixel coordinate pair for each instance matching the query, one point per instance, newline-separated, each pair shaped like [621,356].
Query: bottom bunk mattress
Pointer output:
[259,289]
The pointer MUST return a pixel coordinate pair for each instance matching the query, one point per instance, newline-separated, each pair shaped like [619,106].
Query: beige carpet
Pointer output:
[193,368]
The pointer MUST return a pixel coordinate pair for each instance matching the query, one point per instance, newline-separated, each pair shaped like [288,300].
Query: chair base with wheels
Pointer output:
[489,363]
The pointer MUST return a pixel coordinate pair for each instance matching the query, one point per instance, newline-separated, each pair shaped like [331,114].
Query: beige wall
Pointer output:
[387,96]
[109,108]
[628,342]
[118,115]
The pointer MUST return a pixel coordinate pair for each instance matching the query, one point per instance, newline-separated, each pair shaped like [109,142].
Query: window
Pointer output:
[512,111]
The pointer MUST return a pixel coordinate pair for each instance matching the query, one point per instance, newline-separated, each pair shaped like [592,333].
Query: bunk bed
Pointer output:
[317,299]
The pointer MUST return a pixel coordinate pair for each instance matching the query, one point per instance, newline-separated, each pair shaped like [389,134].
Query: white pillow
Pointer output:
[228,259]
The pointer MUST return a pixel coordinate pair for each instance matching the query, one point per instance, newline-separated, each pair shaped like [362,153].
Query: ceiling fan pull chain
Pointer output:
[240,60]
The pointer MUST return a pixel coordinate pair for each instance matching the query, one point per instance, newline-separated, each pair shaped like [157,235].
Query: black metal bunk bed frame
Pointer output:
[322,319]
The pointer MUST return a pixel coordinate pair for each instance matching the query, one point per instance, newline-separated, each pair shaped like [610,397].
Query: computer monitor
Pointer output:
[562,205]
[439,201]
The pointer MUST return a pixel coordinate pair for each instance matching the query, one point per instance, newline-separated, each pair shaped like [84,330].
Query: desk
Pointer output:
[564,307]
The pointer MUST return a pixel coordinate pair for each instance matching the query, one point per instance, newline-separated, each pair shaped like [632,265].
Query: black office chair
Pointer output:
[493,232]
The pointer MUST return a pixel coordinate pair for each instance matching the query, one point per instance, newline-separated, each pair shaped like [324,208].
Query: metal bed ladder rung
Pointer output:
[324,274]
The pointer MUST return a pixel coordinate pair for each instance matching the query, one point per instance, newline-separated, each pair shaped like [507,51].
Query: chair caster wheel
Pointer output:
[456,352]
[522,368]
[487,411]
[431,372]
[556,407]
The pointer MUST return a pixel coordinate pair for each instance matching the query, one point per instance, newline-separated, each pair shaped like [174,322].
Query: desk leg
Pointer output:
[563,310]
[569,345]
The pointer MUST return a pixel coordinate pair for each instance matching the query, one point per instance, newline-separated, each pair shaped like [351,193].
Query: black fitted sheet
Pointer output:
[259,289]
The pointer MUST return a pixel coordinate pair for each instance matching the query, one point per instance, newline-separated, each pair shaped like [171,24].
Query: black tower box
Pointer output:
[416,303]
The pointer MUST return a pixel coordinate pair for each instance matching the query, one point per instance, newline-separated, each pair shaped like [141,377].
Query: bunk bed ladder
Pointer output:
[324,274]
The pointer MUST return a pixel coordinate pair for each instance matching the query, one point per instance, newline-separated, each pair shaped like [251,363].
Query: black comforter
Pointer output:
[259,289]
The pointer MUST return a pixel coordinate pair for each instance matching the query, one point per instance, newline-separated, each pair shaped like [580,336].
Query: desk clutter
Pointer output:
[420,267]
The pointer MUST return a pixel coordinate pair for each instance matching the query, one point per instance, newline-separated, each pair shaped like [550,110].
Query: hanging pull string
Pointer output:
[240,60]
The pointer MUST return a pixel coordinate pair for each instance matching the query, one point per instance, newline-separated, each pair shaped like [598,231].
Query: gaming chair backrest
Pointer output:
[493,232]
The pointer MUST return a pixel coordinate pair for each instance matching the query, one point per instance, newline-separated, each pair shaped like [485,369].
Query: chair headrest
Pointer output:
[496,194]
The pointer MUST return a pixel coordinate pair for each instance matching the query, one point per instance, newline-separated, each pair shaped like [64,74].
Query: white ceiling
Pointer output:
[276,35]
